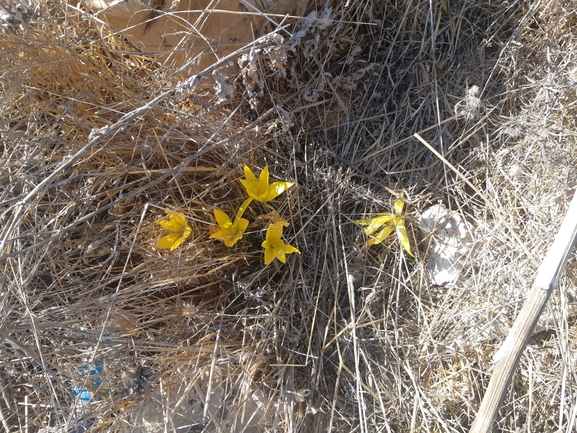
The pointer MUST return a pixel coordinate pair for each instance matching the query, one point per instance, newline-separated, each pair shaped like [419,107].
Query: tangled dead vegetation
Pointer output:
[101,331]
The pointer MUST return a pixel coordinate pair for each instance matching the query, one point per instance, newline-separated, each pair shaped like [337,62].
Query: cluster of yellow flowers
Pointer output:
[388,223]
[230,232]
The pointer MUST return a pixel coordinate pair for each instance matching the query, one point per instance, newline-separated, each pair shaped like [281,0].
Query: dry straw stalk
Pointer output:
[507,358]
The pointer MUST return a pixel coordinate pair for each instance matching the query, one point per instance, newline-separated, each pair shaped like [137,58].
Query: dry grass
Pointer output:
[96,144]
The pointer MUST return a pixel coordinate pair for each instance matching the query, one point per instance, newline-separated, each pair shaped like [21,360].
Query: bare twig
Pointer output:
[507,357]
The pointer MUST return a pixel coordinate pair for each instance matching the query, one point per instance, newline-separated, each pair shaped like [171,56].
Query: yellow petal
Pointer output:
[176,222]
[169,241]
[187,232]
[171,225]
[236,233]
[273,243]
[177,243]
[250,189]
[281,255]
[221,234]
[398,205]
[282,222]
[222,219]
[269,255]
[378,222]
[249,174]
[286,249]
[274,231]
[177,217]
[277,189]
[382,235]
[263,177]
[289,249]
[241,225]
[402,235]
[230,240]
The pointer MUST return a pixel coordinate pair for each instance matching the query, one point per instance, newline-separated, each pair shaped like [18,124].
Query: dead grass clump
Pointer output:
[96,143]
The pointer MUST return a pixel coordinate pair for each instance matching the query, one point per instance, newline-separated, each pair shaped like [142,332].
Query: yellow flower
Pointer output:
[391,222]
[274,246]
[231,232]
[179,228]
[259,189]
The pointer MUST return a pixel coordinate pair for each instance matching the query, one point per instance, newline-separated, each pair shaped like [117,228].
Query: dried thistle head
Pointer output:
[470,106]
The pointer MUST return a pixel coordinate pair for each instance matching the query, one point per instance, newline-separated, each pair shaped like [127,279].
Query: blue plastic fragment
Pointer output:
[81,393]
[87,371]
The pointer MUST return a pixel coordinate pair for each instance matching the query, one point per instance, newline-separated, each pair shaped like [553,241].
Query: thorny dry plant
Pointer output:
[98,141]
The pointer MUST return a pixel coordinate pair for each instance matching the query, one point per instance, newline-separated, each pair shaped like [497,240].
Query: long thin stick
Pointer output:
[507,357]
